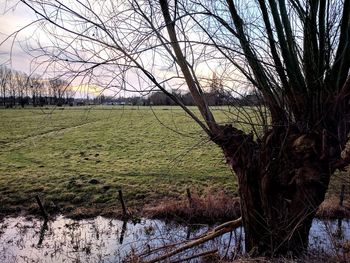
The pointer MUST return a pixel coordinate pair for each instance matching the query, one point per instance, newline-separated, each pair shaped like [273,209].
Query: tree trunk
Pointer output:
[282,181]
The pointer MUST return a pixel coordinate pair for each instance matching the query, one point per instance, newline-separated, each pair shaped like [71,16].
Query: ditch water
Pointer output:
[109,240]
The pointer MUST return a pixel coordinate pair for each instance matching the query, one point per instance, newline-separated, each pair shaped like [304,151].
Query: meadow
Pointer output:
[77,158]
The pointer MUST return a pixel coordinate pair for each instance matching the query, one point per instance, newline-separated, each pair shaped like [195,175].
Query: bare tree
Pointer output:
[296,54]
[21,84]
[5,75]
[36,86]
[12,89]
[57,88]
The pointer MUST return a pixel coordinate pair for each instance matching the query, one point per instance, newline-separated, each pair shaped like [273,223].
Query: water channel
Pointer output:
[109,240]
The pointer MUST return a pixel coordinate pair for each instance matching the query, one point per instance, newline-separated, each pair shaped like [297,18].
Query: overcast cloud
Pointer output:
[15,16]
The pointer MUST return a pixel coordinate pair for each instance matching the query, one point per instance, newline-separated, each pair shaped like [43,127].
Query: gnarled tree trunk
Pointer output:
[283,177]
[282,181]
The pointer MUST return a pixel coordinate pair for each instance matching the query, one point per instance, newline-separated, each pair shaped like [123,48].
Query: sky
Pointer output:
[14,16]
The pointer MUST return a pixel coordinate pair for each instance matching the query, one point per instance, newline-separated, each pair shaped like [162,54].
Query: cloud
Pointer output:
[15,16]
[84,90]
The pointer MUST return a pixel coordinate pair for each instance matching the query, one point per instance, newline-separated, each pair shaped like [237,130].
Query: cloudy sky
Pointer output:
[15,16]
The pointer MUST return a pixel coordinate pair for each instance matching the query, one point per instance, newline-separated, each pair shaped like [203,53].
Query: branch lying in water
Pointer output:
[218,231]
[203,254]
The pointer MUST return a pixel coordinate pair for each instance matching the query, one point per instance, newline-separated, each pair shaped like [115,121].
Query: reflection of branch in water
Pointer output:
[340,224]
[121,239]
[189,230]
[218,231]
[42,233]
[341,199]
[228,246]
[339,234]
[238,245]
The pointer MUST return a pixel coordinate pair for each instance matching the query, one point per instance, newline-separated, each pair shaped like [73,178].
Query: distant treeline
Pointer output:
[159,98]
[215,95]
[213,98]
[20,89]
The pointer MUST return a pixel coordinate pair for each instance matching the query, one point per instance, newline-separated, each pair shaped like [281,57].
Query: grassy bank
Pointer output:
[77,158]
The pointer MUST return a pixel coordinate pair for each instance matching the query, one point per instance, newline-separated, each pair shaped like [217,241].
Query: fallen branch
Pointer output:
[150,252]
[207,253]
[218,231]
[230,224]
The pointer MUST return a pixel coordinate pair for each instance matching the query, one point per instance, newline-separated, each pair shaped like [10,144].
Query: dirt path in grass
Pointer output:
[23,140]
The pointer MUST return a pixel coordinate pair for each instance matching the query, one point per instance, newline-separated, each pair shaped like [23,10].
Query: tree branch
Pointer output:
[263,82]
[218,231]
[197,97]
[338,73]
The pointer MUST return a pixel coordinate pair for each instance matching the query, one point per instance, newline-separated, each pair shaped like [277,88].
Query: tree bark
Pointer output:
[282,181]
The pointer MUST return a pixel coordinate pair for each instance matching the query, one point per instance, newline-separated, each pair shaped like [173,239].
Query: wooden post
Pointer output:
[189,196]
[341,196]
[42,209]
[125,213]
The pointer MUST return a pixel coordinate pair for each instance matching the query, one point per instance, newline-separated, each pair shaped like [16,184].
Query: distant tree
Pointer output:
[36,85]
[295,53]
[159,98]
[217,95]
[69,92]
[5,75]
[58,88]
[12,89]
[21,84]
[187,99]
[215,84]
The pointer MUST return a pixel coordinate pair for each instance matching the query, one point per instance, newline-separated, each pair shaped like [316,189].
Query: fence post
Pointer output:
[189,196]
[125,213]
[341,196]
[42,209]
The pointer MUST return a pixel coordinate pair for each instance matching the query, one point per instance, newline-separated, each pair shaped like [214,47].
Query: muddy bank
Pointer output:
[210,209]
[221,208]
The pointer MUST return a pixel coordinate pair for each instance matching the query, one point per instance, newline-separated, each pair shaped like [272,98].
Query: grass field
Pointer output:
[77,158]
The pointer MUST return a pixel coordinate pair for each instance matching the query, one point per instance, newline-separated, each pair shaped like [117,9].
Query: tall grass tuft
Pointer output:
[212,208]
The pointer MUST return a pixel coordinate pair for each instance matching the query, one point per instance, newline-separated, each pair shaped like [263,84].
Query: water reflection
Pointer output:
[43,229]
[107,240]
[122,233]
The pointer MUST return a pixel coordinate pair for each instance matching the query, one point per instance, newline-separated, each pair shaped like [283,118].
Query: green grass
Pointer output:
[56,153]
